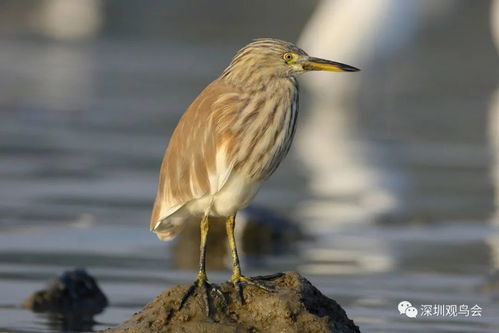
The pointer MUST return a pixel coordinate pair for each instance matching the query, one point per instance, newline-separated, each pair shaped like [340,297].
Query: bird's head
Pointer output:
[272,58]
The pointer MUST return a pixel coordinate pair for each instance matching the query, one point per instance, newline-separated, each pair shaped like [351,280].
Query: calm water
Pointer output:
[82,130]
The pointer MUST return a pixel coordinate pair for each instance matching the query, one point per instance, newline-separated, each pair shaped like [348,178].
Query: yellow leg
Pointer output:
[236,268]
[205,227]
[237,278]
[201,279]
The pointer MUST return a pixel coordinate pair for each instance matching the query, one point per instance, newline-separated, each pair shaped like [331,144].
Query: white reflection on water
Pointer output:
[342,164]
[351,180]
[356,180]
[343,160]
[493,121]
[64,78]
[68,19]
[493,239]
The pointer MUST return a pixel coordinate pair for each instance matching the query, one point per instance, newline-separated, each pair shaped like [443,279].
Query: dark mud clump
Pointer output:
[73,291]
[295,306]
[70,302]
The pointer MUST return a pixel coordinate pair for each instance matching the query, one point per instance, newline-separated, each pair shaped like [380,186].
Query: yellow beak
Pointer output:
[317,64]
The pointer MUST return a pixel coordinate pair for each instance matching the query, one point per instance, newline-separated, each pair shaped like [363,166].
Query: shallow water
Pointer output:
[367,270]
[82,130]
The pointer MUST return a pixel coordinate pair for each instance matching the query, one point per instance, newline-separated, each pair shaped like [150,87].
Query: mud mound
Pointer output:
[295,306]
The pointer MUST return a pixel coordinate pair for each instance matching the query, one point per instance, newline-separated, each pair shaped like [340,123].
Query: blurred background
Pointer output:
[390,192]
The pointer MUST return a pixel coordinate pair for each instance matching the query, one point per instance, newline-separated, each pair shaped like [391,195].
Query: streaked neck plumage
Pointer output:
[250,79]
[267,123]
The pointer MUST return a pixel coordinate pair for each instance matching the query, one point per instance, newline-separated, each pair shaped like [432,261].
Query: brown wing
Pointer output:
[190,167]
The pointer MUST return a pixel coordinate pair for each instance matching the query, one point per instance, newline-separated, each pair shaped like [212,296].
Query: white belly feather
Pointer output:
[236,194]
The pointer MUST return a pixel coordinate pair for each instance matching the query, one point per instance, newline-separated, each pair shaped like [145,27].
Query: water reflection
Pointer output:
[493,239]
[358,167]
[64,79]
[67,19]
[260,233]
[493,132]
[68,322]
[373,157]
[351,173]
[351,178]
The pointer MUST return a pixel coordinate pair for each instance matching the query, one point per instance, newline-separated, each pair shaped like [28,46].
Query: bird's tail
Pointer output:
[168,228]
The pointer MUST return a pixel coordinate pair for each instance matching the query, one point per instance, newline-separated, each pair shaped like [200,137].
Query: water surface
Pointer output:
[82,130]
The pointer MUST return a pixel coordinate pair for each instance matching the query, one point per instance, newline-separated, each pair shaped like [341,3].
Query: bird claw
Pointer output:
[238,281]
[208,290]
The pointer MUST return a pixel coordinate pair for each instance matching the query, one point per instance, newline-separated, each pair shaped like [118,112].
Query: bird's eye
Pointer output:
[288,56]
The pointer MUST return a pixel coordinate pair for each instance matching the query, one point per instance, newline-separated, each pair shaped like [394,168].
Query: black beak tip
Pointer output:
[348,68]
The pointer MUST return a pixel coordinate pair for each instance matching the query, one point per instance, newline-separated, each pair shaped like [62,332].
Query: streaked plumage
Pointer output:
[229,140]
[232,137]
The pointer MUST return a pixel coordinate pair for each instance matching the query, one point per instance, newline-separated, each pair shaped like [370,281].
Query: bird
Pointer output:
[229,140]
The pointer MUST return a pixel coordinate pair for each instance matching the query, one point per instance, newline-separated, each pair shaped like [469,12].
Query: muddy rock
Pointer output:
[295,306]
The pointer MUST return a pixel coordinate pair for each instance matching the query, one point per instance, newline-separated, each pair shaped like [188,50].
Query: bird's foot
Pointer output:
[238,280]
[208,289]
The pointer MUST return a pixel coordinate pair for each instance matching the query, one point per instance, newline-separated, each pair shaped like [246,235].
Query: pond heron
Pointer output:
[229,140]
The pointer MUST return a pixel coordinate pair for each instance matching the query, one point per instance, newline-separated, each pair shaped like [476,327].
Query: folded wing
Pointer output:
[199,157]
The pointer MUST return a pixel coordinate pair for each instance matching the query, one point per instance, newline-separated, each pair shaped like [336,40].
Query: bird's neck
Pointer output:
[253,82]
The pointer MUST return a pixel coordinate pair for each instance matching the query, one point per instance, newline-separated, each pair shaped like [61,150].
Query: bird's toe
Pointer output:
[209,291]
[241,280]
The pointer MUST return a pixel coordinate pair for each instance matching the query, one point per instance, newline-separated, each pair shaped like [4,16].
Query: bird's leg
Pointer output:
[237,278]
[201,279]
